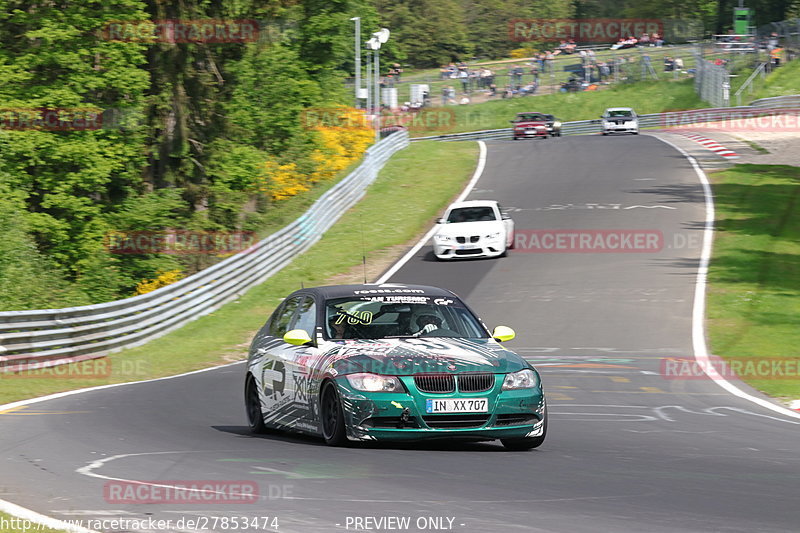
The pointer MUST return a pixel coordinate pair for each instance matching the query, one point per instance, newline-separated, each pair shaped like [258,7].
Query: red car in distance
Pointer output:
[527,125]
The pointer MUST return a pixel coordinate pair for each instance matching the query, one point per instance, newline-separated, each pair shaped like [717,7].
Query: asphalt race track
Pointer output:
[627,449]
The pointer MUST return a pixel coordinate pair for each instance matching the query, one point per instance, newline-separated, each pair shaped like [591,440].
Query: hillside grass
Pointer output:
[21,525]
[781,82]
[644,97]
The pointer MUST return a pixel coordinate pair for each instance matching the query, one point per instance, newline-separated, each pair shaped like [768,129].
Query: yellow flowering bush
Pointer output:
[342,138]
[162,279]
[282,181]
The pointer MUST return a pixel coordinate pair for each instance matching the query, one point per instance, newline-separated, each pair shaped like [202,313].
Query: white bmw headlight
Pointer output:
[524,379]
[556,124]
[374,383]
[495,235]
[442,238]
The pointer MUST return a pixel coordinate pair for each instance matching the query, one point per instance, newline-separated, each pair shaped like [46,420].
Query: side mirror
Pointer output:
[441,221]
[503,333]
[297,337]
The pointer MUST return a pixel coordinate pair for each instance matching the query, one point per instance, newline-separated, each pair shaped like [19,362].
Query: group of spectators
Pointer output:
[646,39]
[523,79]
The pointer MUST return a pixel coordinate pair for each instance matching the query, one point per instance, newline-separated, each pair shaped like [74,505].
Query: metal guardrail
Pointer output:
[669,120]
[51,337]
[778,102]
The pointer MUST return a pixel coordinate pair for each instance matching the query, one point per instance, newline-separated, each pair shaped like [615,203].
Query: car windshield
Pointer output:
[620,113]
[472,214]
[530,117]
[392,316]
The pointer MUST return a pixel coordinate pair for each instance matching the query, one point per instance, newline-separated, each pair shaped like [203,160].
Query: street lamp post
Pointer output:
[378,38]
[357,20]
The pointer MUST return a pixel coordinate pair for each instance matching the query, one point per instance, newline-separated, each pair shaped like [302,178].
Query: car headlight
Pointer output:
[442,238]
[374,383]
[524,379]
[493,235]
[556,124]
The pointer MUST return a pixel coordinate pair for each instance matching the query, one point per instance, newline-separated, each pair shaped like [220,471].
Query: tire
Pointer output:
[526,443]
[332,416]
[605,133]
[252,403]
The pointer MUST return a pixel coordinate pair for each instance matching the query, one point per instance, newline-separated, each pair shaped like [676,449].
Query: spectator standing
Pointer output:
[463,76]
[549,57]
[535,73]
[398,71]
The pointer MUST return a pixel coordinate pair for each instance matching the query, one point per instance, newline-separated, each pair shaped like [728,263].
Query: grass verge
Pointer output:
[781,82]
[754,277]
[391,214]
[16,525]
[644,97]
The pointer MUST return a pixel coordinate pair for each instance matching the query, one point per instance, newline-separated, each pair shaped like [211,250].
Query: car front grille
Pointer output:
[445,383]
[475,382]
[456,421]
[436,383]
[472,238]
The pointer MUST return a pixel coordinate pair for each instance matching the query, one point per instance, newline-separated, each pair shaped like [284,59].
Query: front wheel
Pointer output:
[526,443]
[333,430]
[252,402]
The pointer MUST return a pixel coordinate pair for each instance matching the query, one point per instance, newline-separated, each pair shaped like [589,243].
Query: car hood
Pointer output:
[483,228]
[407,356]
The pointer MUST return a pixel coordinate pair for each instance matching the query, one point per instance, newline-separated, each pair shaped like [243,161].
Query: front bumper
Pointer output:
[621,128]
[530,132]
[482,249]
[378,416]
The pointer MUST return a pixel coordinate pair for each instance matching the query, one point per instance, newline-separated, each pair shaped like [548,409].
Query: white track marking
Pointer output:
[26,514]
[698,311]
[468,189]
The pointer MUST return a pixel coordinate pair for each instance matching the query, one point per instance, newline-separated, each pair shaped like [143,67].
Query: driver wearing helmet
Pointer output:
[427,323]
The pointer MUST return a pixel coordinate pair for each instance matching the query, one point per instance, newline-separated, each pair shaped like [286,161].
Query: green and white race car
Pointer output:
[390,362]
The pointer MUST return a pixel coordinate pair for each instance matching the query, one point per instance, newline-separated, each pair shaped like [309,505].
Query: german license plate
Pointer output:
[457,405]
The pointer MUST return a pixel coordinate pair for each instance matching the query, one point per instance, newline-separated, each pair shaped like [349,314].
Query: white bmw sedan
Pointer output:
[476,228]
